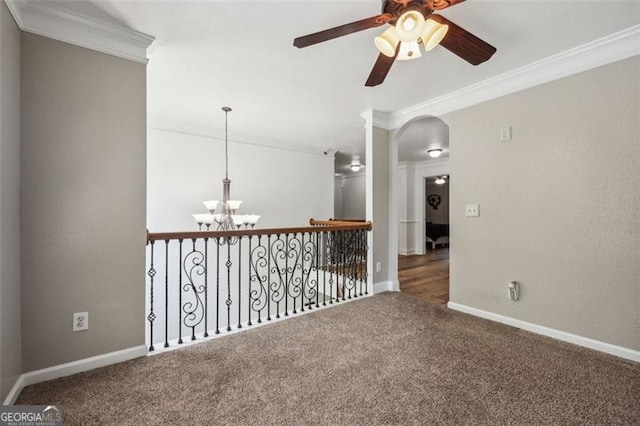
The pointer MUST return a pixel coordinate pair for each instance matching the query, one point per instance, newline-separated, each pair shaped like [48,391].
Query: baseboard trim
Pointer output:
[391,285]
[586,342]
[14,392]
[73,367]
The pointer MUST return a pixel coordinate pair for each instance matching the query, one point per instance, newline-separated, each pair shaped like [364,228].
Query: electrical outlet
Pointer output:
[378,266]
[472,210]
[80,321]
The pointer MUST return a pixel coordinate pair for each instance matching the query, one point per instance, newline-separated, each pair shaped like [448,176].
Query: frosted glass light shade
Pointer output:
[252,219]
[433,34]
[207,219]
[199,218]
[239,219]
[410,25]
[211,205]
[234,205]
[387,42]
[409,51]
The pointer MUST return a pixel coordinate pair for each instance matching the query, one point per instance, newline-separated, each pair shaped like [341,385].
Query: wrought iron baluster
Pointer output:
[166,293]
[249,275]
[269,278]
[302,258]
[152,316]
[206,287]
[180,294]
[286,275]
[228,302]
[217,285]
[317,269]
[324,269]
[194,311]
[239,280]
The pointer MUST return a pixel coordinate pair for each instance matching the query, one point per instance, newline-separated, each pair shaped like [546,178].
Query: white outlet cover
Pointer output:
[472,210]
[80,321]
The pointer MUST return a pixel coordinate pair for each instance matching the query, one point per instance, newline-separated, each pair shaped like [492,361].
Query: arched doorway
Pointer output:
[423,219]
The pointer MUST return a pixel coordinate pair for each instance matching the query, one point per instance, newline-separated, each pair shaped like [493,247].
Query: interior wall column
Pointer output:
[381,205]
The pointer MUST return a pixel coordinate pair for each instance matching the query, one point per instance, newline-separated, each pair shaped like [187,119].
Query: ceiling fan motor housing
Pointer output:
[397,7]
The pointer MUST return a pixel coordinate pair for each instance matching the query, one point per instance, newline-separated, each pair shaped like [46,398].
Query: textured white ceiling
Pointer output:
[239,53]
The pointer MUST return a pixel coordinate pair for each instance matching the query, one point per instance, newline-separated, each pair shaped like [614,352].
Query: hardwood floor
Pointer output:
[426,277]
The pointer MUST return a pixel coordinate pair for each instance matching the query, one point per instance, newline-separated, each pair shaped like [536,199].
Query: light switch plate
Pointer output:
[505,134]
[472,210]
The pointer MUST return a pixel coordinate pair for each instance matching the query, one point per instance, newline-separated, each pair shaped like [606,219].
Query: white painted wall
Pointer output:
[285,188]
[353,196]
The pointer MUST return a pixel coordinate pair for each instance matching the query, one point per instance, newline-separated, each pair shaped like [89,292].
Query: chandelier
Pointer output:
[227,219]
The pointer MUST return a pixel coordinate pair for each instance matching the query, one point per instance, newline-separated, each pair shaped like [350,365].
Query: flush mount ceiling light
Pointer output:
[441,180]
[434,153]
[411,23]
[355,165]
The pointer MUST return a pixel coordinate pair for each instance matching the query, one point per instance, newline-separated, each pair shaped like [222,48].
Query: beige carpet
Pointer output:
[387,359]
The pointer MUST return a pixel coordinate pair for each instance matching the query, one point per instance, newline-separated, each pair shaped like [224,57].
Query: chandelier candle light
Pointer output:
[227,219]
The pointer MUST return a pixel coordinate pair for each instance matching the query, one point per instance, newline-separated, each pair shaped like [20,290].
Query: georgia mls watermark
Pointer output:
[31,415]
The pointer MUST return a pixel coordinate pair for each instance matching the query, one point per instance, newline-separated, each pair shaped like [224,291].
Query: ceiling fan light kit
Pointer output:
[409,50]
[433,34]
[410,25]
[413,22]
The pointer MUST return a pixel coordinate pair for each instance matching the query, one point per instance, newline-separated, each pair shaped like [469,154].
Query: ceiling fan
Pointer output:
[413,24]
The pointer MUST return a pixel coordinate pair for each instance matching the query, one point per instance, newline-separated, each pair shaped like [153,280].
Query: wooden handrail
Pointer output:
[320,227]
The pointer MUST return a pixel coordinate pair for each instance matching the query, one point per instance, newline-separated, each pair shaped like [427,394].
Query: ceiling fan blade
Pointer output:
[464,44]
[353,27]
[441,4]
[381,69]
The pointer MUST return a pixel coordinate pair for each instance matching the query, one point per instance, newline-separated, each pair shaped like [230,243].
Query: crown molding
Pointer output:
[49,20]
[211,133]
[376,118]
[609,49]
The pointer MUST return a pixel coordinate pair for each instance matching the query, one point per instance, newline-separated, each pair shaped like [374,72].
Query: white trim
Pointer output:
[73,367]
[391,285]
[50,20]
[609,49]
[381,119]
[409,252]
[586,342]
[14,392]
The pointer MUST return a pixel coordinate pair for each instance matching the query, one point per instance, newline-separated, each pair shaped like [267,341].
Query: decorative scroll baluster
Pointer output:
[152,316]
[194,310]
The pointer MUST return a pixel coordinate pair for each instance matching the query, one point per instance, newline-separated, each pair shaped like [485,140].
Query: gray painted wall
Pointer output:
[10,345]
[559,205]
[83,201]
